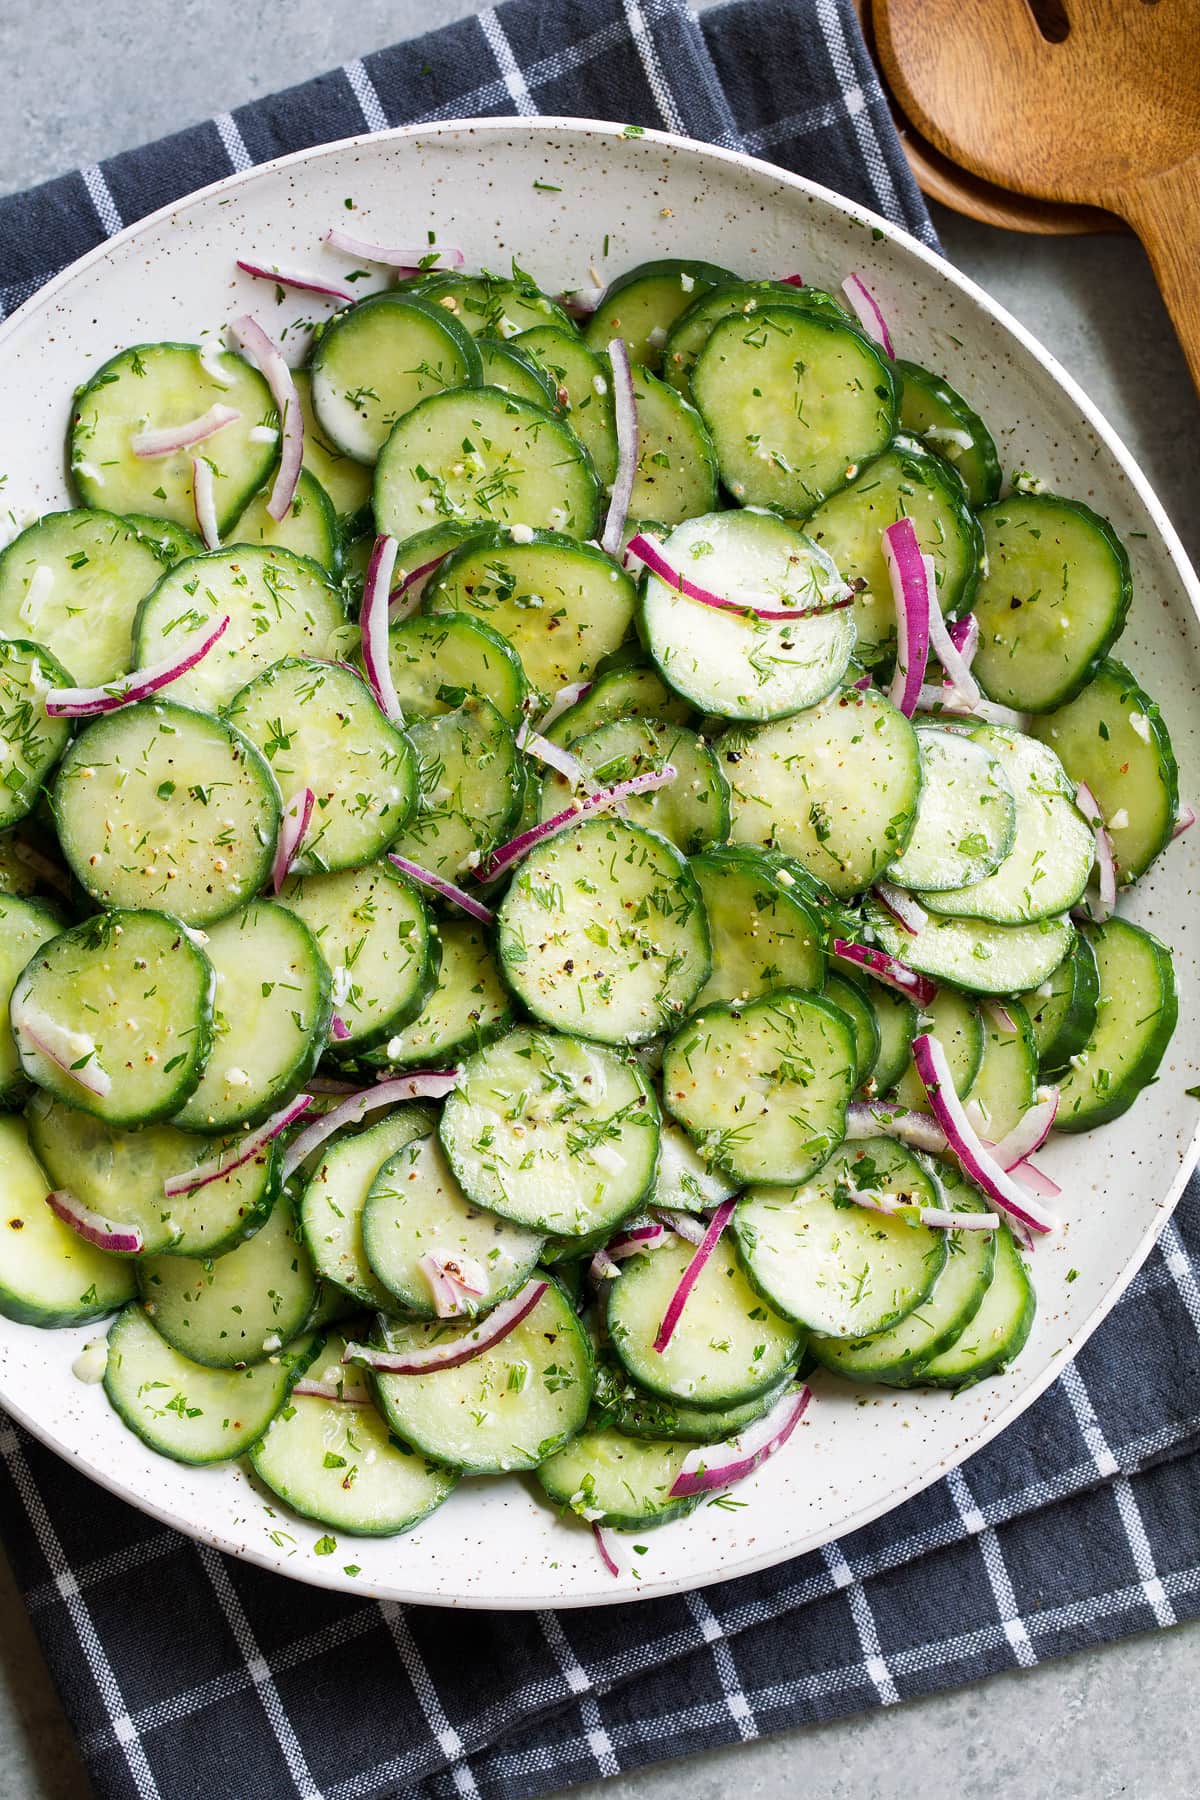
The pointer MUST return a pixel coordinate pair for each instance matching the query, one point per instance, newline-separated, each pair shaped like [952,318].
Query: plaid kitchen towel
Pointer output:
[187,1674]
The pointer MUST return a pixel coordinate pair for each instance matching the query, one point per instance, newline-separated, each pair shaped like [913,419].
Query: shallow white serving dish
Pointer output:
[858,1452]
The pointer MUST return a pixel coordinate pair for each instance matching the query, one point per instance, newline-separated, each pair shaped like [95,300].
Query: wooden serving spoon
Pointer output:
[1088,102]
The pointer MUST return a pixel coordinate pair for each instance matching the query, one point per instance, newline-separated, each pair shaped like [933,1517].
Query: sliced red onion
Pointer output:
[700,1475]
[685,1225]
[692,1273]
[563,701]
[792,280]
[947,699]
[625,410]
[427,1084]
[553,755]
[868,312]
[164,440]
[1000,1016]
[272,364]
[1106,861]
[979,1165]
[204,500]
[1185,819]
[126,690]
[914,601]
[293,824]
[889,970]
[606,1556]
[373,624]
[454,1281]
[637,1239]
[863,683]
[580,808]
[964,635]
[105,1234]
[956,666]
[1035,1180]
[332,1390]
[876,1118]
[449,1353]
[218,1167]
[88,1074]
[602,1268]
[308,284]
[339,1031]
[647,550]
[409,262]
[407,595]
[437,884]
[937,1218]
[907,912]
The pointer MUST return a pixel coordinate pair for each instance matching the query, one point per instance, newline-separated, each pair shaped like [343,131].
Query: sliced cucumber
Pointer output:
[583,387]
[974,954]
[48,1275]
[346,482]
[375,934]
[684,1181]
[966,817]
[278,605]
[469,1007]
[728,1347]
[895,1022]
[170,542]
[507,366]
[488,305]
[620,1406]
[506,1409]
[1112,736]
[1062,1011]
[478,453]
[631,692]
[837,786]
[736,664]
[374,362]
[72,583]
[832,1266]
[849,998]
[735,299]
[123,1001]
[763,935]
[30,741]
[552,1133]
[763,1089]
[1136,1016]
[1006,1085]
[25,925]
[692,811]
[1052,603]
[470,784]
[676,473]
[331,1207]
[930,409]
[438,659]
[560,605]
[956,1023]
[793,400]
[641,306]
[625,1482]
[997,1333]
[309,528]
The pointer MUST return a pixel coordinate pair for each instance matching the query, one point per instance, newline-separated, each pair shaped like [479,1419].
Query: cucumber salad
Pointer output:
[558,863]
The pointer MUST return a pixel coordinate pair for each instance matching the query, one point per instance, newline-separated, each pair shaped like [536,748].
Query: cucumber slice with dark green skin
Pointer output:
[641,306]
[735,299]
[728,1347]
[470,784]
[958,1026]
[792,400]
[335,1194]
[240,1308]
[437,659]
[896,1354]
[415,1209]
[762,1089]
[1135,1019]
[487,305]
[974,954]
[374,362]
[966,817]
[628,693]
[902,482]
[374,932]
[125,999]
[851,1000]
[25,925]
[506,1409]
[469,1007]
[622,1482]
[836,786]
[583,388]
[507,366]
[1052,603]
[692,810]
[618,1405]
[162,806]
[278,605]
[338,1463]
[930,409]
[684,1182]
[271,1011]
[1006,1085]
[320,727]
[120,1175]
[997,1333]
[171,543]
[561,605]
[763,935]
[552,1133]
[185,1411]
[479,453]
[1113,737]
[309,527]
[676,472]
[154,385]
[734,664]
[603,932]
[48,1275]
[895,1023]
[1062,1011]
[839,1269]
[30,741]
[82,607]
[346,482]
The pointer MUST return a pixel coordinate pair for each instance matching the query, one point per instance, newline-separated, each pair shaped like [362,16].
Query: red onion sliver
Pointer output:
[606,1556]
[1035,1180]
[1000,1016]
[914,601]
[863,683]
[792,280]
[553,755]
[450,1352]
[339,1031]
[685,1225]
[956,666]
[164,440]
[979,1165]
[907,912]
[935,1218]
[272,364]
[412,262]
[450,1278]
[868,312]
[638,1239]
[692,1273]
[761,1440]
[602,1268]
[426,1084]
[204,500]
[332,1390]
[889,970]
[218,1167]
[876,1118]
[947,699]
[373,623]
[647,550]
[563,701]
[437,884]
[600,801]
[964,635]
[1106,861]
[88,1075]
[407,595]
[1184,822]
[293,824]
[625,410]
[126,690]
[288,278]
[92,1227]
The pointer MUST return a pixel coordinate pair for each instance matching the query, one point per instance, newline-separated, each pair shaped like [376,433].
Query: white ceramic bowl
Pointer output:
[859,1451]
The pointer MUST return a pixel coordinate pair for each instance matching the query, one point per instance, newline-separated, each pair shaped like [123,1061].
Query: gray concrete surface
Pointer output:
[82,83]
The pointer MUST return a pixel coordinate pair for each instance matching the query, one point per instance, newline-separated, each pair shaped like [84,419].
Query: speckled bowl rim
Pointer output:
[853,1520]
